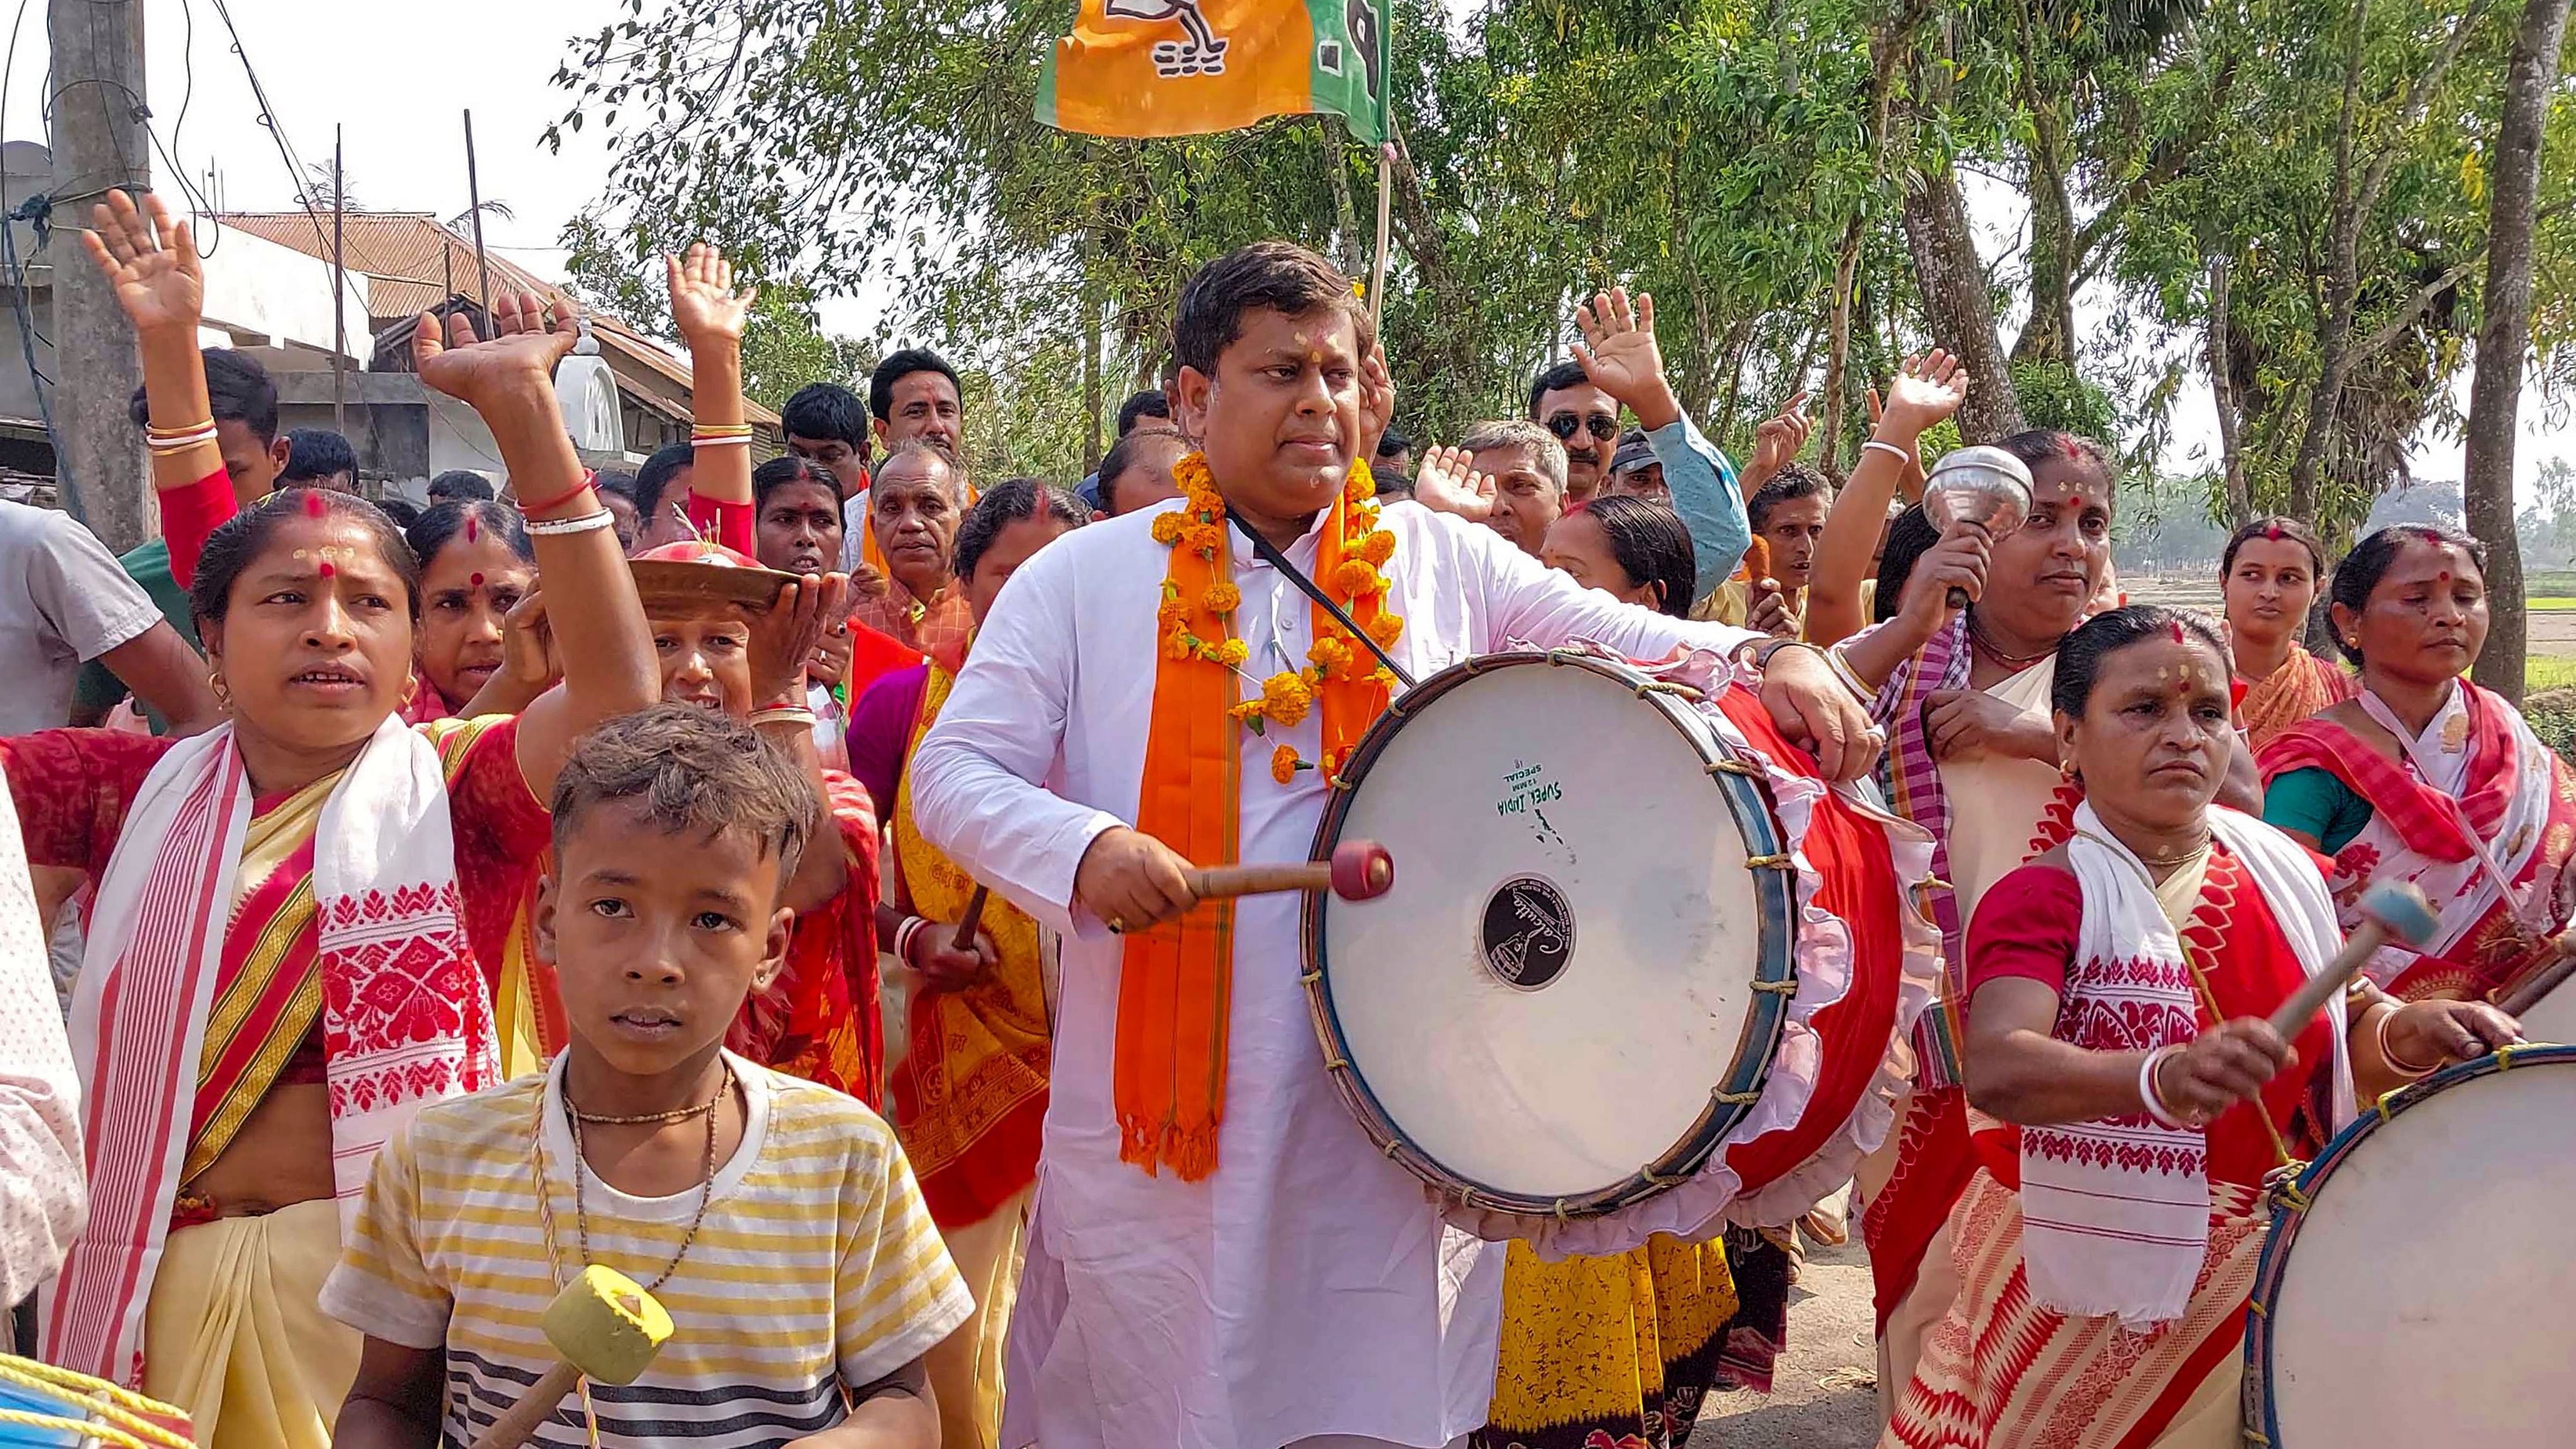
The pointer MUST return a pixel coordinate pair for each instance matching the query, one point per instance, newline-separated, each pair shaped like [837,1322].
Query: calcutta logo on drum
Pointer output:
[1528,932]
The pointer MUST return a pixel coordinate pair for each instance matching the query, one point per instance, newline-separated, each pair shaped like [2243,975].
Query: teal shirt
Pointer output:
[2314,803]
[148,564]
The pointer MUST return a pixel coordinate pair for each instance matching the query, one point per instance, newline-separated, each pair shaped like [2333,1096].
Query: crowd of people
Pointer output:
[458,896]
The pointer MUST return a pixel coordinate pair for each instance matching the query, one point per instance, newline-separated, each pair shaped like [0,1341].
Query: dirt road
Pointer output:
[1824,1393]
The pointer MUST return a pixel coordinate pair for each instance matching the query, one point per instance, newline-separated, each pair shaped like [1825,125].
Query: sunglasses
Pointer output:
[1602,426]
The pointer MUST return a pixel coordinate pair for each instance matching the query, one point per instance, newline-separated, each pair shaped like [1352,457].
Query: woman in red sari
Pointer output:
[281,960]
[2270,574]
[2427,778]
[820,1019]
[2128,1095]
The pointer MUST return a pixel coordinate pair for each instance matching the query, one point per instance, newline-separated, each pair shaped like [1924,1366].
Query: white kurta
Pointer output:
[1305,1287]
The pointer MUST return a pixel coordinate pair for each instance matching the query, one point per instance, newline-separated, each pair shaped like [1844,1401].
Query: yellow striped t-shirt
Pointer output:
[816,1270]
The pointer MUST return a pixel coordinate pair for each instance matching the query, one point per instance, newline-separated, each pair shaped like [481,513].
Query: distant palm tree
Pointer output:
[317,194]
[461,222]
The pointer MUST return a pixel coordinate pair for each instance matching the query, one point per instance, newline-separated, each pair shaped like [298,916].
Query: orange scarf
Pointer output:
[1175,984]
[2303,686]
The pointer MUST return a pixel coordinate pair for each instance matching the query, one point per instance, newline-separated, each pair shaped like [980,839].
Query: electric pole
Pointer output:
[99,143]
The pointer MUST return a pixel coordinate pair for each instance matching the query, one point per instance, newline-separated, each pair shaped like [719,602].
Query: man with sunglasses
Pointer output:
[1618,364]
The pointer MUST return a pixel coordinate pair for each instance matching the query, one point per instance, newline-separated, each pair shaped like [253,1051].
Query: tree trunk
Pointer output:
[1838,354]
[2495,391]
[2222,394]
[1956,305]
[2049,336]
[2334,321]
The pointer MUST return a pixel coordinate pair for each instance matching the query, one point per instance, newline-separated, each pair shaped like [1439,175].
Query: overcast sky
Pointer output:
[396,74]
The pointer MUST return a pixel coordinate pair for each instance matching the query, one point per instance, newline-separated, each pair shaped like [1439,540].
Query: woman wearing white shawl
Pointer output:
[2129,1096]
[282,961]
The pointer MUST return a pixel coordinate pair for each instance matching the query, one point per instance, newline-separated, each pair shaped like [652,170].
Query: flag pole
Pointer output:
[1385,203]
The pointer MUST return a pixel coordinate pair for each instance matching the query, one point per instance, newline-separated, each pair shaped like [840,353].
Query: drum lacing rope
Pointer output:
[2257,1439]
[1666,686]
[1735,1099]
[1768,862]
[1778,988]
[1731,767]
[125,1428]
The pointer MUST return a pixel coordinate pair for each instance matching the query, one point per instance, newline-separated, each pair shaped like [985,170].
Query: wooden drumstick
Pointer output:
[2530,993]
[2396,911]
[966,924]
[1358,870]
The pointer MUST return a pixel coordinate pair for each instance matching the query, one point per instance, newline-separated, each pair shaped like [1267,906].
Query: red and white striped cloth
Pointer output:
[405,1017]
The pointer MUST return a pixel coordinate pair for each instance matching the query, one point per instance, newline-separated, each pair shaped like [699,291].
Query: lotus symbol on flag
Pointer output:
[1201,53]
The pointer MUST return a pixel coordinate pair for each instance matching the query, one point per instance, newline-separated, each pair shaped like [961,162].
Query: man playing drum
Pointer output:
[2106,1243]
[1220,1256]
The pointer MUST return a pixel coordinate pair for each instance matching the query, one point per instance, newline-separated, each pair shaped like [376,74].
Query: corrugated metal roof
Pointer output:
[412,264]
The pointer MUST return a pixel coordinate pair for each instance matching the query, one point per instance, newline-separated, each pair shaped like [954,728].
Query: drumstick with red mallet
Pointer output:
[1357,871]
[2396,911]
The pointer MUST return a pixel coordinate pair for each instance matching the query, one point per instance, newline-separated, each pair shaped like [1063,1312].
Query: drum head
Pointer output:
[1556,1003]
[2428,1294]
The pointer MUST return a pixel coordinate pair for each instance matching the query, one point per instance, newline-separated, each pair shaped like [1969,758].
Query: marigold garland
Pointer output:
[1285,698]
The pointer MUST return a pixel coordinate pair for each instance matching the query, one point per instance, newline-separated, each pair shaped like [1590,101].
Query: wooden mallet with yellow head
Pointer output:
[603,1325]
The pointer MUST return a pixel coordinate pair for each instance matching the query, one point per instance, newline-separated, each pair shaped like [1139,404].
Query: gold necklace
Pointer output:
[1977,638]
[580,1166]
[2184,857]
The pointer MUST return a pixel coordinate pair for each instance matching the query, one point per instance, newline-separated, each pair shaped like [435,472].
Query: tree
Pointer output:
[2495,389]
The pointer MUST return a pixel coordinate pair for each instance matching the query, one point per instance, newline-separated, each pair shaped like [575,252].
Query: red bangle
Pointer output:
[549,505]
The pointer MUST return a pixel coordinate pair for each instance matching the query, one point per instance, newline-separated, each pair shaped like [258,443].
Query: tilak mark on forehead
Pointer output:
[474,581]
[471,528]
[314,507]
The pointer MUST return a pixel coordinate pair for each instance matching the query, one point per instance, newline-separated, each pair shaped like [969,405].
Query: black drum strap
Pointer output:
[1269,553]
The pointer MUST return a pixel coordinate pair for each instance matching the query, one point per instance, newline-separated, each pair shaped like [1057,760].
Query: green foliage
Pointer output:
[2054,396]
[1718,153]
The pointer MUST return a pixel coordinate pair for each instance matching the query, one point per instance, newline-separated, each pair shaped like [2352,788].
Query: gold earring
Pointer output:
[215,684]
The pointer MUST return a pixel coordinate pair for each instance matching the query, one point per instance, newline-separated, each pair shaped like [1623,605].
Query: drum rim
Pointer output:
[1747,793]
[2283,1232]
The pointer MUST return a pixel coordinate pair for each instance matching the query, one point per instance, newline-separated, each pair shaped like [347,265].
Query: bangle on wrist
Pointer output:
[579,523]
[2150,1096]
[1767,650]
[795,714]
[549,505]
[903,934]
[2388,1058]
[1849,676]
[1901,455]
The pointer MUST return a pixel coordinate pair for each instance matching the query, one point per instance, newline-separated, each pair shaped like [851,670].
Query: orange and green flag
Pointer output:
[1188,67]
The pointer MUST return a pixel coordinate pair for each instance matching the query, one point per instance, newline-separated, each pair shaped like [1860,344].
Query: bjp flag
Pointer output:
[1188,67]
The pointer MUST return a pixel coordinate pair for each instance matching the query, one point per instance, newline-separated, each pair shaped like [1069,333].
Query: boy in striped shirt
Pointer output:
[776,1219]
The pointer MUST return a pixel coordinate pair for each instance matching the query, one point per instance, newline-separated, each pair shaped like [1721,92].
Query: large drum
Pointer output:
[2418,1286]
[1635,951]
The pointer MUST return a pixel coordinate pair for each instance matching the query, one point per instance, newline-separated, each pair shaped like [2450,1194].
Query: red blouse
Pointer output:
[73,788]
[2028,923]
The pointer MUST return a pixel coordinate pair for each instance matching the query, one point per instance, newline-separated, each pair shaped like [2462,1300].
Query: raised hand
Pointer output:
[703,301]
[1779,440]
[786,636]
[1925,391]
[530,335]
[151,261]
[1619,354]
[1911,483]
[1447,482]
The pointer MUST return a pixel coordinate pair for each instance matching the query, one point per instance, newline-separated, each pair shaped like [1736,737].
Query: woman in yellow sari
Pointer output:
[282,953]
